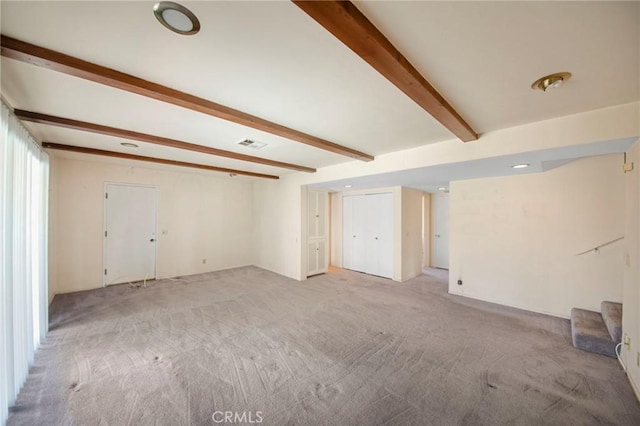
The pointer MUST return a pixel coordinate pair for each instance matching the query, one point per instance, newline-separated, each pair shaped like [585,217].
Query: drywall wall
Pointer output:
[204,215]
[278,209]
[514,240]
[278,204]
[335,226]
[426,230]
[631,288]
[412,243]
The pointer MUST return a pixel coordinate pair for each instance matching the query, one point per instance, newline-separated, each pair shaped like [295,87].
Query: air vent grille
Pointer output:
[252,144]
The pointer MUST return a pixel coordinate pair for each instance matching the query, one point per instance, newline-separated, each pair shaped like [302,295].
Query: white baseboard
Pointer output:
[500,302]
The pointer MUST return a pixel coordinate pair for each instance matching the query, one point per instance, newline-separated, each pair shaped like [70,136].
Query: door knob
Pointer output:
[152,240]
[376,238]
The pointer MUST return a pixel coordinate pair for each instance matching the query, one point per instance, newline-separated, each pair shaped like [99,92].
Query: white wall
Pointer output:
[426,230]
[278,209]
[631,287]
[514,240]
[335,226]
[278,204]
[205,216]
[412,245]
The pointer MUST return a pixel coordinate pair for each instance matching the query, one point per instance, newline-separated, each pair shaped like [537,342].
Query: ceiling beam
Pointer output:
[68,123]
[50,59]
[93,151]
[350,26]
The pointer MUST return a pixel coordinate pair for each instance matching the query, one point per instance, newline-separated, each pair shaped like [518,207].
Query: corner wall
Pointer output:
[514,240]
[630,354]
[412,243]
[204,216]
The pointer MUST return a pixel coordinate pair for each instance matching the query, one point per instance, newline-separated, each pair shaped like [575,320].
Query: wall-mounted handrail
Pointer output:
[597,248]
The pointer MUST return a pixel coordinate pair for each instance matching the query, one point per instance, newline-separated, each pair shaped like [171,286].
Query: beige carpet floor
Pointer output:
[338,349]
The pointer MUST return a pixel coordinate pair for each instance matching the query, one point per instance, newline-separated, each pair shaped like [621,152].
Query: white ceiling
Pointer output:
[271,60]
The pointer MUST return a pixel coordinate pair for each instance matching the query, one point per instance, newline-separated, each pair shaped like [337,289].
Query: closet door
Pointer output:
[382,252]
[354,236]
[317,225]
[347,232]
[368,216]
[368,234]
[317,214]
[322,212]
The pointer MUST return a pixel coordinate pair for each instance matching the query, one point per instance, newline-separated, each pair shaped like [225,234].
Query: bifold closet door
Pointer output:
[381,260]
[368,233]
[353,256]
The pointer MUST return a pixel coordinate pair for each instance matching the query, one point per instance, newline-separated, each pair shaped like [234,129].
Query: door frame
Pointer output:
[104,226]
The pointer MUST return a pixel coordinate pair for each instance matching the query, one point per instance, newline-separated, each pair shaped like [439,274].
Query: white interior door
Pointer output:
[440,232]
[382,204]
[368,234]
[348,233]
[130,233]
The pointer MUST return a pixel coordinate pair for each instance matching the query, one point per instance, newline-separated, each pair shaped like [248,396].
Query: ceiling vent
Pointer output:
[252,144]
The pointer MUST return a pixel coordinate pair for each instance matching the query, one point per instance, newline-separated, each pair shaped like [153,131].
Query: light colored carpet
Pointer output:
[339,349]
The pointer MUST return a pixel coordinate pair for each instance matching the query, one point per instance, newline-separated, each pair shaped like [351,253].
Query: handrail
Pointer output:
[597,248]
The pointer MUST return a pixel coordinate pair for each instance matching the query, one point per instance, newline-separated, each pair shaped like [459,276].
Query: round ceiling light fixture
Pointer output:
[176,17]
[551,81]
[129,144]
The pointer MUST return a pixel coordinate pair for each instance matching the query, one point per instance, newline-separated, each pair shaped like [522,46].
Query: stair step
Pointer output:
[612,316]
[589,333]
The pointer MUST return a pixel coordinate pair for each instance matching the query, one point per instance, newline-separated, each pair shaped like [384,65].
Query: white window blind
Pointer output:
[24,188]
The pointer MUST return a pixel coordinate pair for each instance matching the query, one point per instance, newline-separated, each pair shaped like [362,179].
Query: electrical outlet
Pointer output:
[627,341]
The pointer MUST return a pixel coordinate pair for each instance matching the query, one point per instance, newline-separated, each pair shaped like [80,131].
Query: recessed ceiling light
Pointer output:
[129,144]
[176,17]
[551,81]
[347,186]
[442,188]
[520,166]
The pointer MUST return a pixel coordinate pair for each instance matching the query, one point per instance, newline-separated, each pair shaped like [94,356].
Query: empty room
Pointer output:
[319,213]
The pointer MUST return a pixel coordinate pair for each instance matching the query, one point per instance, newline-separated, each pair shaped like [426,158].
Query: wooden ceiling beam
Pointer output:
[50,59]
[104,153]
[350,26]
[68,123]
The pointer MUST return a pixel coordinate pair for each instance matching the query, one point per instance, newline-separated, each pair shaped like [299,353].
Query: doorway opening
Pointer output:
[440,231]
